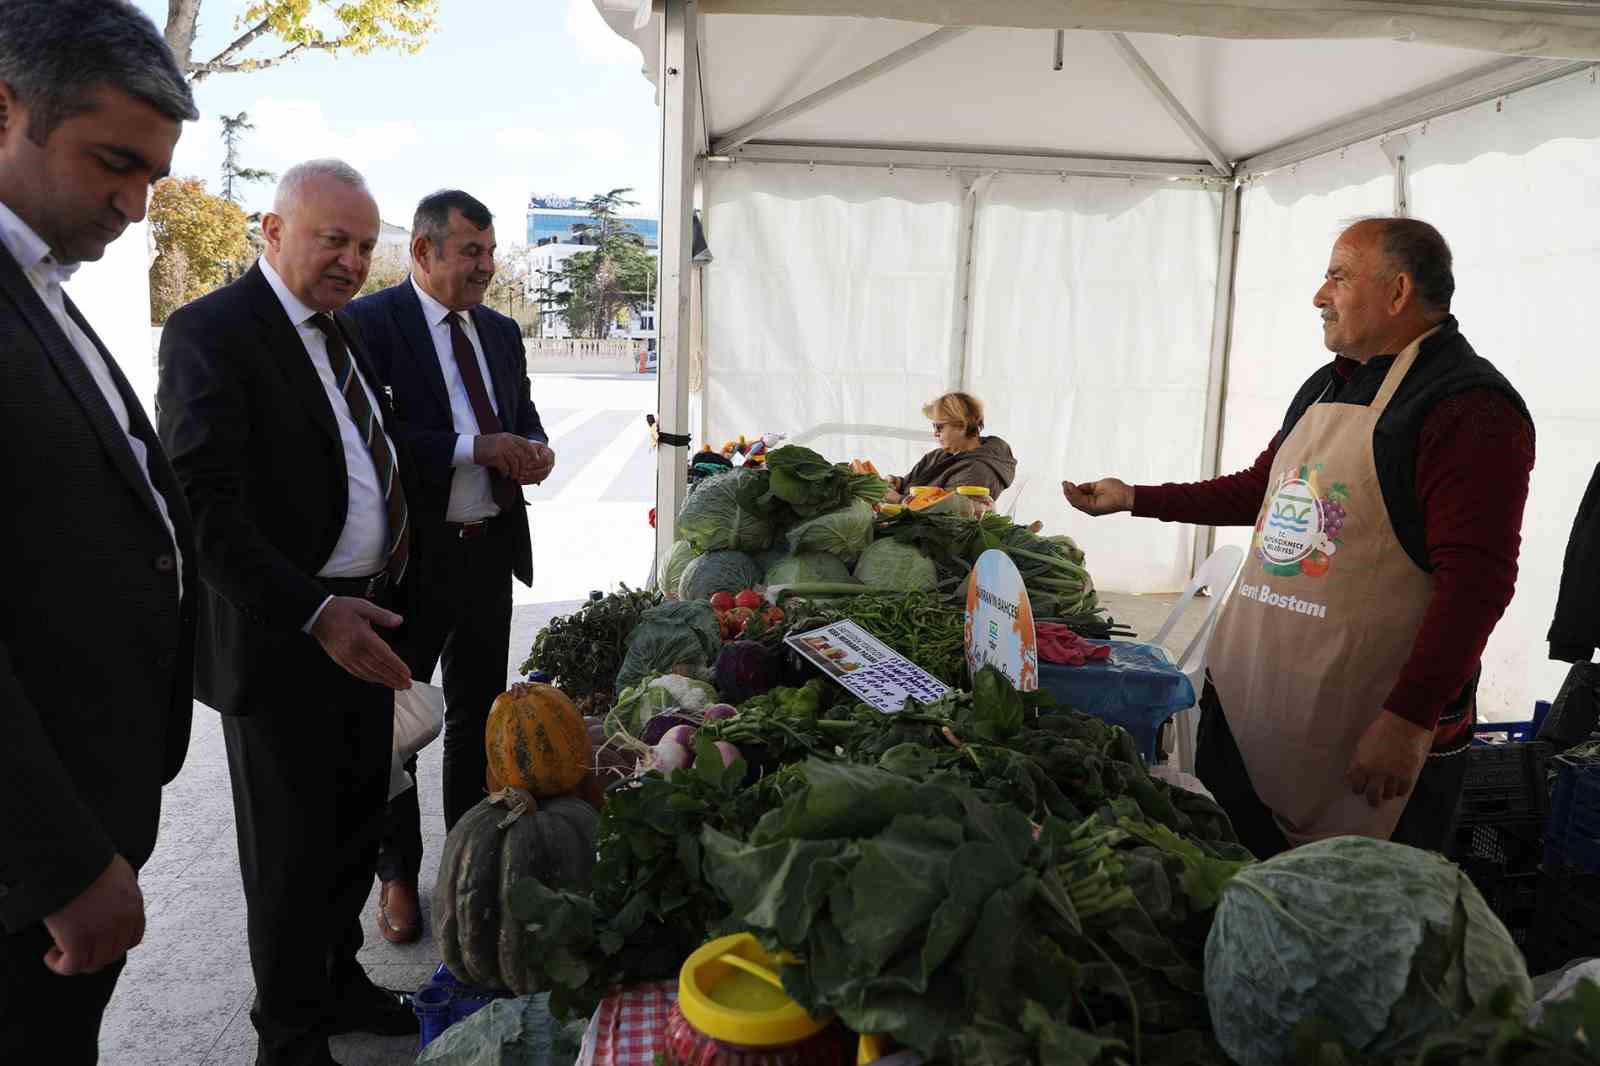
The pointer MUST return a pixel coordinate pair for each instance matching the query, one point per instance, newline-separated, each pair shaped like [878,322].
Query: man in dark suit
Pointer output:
[279,432]
[97,620]
[461,394]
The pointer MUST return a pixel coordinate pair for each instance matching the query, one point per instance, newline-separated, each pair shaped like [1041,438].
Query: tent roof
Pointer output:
[995,89]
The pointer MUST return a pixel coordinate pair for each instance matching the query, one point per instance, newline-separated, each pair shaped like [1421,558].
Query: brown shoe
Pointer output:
[399,912]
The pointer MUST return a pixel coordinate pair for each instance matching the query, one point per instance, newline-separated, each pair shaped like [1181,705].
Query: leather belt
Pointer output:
[469,530]
[367,588]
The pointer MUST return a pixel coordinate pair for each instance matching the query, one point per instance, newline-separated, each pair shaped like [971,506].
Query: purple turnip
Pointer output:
[669,755]
[718,711]
[729,753]
[681,735]
[657,726]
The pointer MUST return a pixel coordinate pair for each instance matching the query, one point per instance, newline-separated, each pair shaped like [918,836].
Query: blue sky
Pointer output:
[509,97]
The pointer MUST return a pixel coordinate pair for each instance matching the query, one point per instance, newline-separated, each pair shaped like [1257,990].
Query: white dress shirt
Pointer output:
[471,495]
[47,276]
[359,551]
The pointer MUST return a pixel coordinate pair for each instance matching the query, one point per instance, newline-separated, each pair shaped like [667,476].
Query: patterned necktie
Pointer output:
[507,494]
[398,547]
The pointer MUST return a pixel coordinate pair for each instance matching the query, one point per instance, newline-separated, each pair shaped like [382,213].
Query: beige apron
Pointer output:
[1321,622]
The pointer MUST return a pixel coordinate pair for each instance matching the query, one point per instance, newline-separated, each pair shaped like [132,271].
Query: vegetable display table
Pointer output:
[1138,688]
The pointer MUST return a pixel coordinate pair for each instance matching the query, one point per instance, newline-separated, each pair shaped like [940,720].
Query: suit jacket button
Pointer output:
[166,564]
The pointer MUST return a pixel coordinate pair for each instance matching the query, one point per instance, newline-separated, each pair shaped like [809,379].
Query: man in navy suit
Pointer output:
[459,379]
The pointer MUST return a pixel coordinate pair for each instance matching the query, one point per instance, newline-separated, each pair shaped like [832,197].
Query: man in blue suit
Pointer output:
[459,379]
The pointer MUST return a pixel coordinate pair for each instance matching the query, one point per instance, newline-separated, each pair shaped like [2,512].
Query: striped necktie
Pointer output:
[398,546]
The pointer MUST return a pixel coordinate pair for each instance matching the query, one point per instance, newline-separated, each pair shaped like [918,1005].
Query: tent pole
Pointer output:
[961,312]
[1205,538]
[678,160]
[1012,162]
[1179,113]
[876,69]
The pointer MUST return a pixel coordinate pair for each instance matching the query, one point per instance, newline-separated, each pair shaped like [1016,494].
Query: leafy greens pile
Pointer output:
[811,485]
[582,651]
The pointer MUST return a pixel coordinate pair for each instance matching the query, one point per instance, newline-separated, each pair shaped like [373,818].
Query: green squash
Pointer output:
[506,838]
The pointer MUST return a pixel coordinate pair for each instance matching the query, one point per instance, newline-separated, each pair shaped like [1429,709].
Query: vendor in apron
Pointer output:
[1342,678]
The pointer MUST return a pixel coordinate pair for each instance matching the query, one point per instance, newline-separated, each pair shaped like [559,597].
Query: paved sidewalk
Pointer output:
[184,999]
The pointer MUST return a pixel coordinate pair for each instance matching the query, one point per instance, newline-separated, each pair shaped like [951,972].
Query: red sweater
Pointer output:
[1473,462]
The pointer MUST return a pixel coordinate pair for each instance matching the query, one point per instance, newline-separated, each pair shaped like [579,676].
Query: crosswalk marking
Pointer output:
[596,476]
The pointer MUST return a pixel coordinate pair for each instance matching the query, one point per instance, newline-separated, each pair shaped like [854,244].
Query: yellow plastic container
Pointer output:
[973,490]
[918,490]
[732,1010]
[890,509]
[870,1049]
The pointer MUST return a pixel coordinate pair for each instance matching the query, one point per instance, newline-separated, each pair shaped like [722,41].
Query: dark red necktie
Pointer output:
[507,494]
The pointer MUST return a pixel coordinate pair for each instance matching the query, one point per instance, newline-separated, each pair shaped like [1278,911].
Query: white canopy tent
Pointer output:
[1107,220]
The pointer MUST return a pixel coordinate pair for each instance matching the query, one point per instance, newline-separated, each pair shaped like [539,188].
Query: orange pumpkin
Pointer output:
[536,741]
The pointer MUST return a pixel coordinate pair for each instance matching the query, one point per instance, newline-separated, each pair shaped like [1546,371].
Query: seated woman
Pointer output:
[962,457]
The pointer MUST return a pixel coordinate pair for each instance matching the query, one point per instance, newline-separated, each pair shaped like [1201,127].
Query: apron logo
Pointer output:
[1298,532]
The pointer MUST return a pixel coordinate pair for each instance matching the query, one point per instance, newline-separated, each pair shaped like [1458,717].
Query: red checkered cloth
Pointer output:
[629,1027]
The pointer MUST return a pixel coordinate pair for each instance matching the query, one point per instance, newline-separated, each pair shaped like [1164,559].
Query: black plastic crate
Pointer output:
[1513,897]
[1514,847]
[1567,920]
[1504,783]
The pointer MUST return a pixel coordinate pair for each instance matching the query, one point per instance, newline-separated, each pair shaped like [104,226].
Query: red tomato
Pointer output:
[748,598]
[1315,565]
[722,601]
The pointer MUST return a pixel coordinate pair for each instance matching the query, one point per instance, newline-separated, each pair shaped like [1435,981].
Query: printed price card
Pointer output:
[877,674]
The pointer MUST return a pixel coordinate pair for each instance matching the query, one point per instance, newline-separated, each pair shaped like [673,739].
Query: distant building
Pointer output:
[390,234]
[555,234]
[562,220]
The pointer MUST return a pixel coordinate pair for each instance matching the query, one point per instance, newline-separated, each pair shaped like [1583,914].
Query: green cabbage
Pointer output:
[845,532]
[668,635]
[725,512]
[718,572]
[889,564]
[679,556]
[807,568]
[1377,940]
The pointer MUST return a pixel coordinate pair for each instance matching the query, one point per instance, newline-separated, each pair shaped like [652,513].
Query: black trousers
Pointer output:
[1428,822]
[44,1017]
[309,782]
[460,613]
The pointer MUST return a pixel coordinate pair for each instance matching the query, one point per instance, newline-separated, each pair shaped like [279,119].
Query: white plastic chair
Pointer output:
[1217,574]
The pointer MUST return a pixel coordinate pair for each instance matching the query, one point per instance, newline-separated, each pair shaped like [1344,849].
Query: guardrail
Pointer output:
[612,355]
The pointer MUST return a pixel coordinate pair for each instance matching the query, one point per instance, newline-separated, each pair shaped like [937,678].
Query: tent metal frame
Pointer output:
[683,152]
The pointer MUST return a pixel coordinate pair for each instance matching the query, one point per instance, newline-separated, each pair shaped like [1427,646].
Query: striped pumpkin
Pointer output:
[508,837]
[536,741]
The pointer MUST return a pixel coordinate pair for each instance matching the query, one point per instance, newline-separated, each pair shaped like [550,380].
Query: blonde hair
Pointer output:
[958,409]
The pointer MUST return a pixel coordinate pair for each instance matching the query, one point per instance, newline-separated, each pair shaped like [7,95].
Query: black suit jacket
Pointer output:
[1575,633]
[397,336]
[95,648]
[255,443]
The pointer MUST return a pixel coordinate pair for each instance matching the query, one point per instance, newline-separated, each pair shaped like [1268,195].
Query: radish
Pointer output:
[718,711]
[729,753]
[668,755]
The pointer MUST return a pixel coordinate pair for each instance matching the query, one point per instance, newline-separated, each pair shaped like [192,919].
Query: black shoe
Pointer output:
[370,1009]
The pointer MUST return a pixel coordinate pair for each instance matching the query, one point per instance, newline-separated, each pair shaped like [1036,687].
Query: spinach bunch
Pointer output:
[582,651]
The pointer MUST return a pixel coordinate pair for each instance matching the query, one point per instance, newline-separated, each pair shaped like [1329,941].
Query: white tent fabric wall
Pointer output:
[829,300]
[1090,342]
[1512,189]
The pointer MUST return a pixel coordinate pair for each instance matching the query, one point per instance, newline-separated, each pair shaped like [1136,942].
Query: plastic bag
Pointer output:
[418,720]
[507,1032]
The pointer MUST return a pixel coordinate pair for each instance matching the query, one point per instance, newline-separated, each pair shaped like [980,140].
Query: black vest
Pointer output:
[1445,365]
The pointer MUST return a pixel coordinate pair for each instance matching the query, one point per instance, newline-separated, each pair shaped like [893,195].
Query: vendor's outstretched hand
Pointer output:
[1388,758]
[1106,496]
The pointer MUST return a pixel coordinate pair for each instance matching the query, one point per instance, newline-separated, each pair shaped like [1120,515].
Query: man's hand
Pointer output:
[100,925]
[1388,758]
[344,629]
[544,461]
[508,454]
[1106,496]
